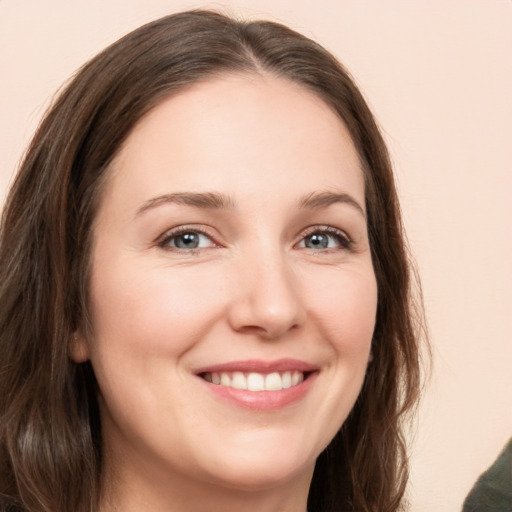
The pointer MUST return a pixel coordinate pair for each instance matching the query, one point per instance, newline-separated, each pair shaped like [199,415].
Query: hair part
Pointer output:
[50,434]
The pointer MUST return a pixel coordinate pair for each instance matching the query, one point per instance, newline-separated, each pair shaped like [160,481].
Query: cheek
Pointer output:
[153,310]
[346,308]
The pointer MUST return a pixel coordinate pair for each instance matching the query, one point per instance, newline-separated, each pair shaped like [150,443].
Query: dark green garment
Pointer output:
[493,490]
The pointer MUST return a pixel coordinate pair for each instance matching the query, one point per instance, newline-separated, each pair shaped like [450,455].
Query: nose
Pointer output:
[267,302]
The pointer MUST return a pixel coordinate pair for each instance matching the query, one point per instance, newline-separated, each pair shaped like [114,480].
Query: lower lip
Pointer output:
[263,400]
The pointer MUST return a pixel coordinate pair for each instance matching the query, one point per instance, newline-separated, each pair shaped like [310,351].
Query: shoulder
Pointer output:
[492,491]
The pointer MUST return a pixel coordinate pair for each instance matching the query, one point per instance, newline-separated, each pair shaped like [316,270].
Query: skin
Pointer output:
[256,288]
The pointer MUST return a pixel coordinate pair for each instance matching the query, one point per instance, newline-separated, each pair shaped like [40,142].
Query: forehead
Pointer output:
[238,133]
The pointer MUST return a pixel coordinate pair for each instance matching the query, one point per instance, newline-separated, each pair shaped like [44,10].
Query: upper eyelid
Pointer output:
[214,237]
[182,229]
[324,228]
[344,239]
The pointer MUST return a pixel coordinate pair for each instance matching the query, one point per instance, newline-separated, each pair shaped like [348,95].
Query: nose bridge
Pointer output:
[268,301]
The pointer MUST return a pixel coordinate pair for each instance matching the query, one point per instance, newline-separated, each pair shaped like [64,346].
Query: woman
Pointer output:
[205,293]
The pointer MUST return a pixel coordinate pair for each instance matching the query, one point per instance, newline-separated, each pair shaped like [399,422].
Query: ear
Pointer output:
[78,348]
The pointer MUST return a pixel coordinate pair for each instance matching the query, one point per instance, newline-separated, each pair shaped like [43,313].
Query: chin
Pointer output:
[260,479]
[257,471]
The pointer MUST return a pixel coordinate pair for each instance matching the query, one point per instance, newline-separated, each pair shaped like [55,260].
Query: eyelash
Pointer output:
[345,243]
[164,241]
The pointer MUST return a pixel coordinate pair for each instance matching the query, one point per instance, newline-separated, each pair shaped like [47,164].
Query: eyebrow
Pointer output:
[219,201]
[319,200]
[206,200]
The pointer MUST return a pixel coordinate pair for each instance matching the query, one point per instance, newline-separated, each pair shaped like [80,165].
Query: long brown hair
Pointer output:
[50,433]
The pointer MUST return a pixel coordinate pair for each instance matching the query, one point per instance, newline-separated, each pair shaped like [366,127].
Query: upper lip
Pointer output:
[259,366]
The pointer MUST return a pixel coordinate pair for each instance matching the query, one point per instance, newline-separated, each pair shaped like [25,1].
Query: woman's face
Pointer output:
[232,292]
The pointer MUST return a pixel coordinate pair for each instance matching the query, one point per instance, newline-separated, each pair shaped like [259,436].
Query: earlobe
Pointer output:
[78,348]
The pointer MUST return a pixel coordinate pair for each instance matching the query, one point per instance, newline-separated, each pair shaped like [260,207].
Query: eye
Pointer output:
[186,239]
[325,238]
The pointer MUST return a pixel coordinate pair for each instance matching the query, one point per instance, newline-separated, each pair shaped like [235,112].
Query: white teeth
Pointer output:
[297,377]
[253,381]
[273,382]
[225,380]
[238,381]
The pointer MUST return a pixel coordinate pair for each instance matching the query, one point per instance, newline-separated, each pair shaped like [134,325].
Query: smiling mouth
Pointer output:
[254,381]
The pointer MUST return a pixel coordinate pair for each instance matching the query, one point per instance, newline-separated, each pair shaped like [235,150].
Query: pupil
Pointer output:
[187,241]
[317,241]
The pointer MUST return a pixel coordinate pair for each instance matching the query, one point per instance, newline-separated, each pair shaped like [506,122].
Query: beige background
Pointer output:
[438,75]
